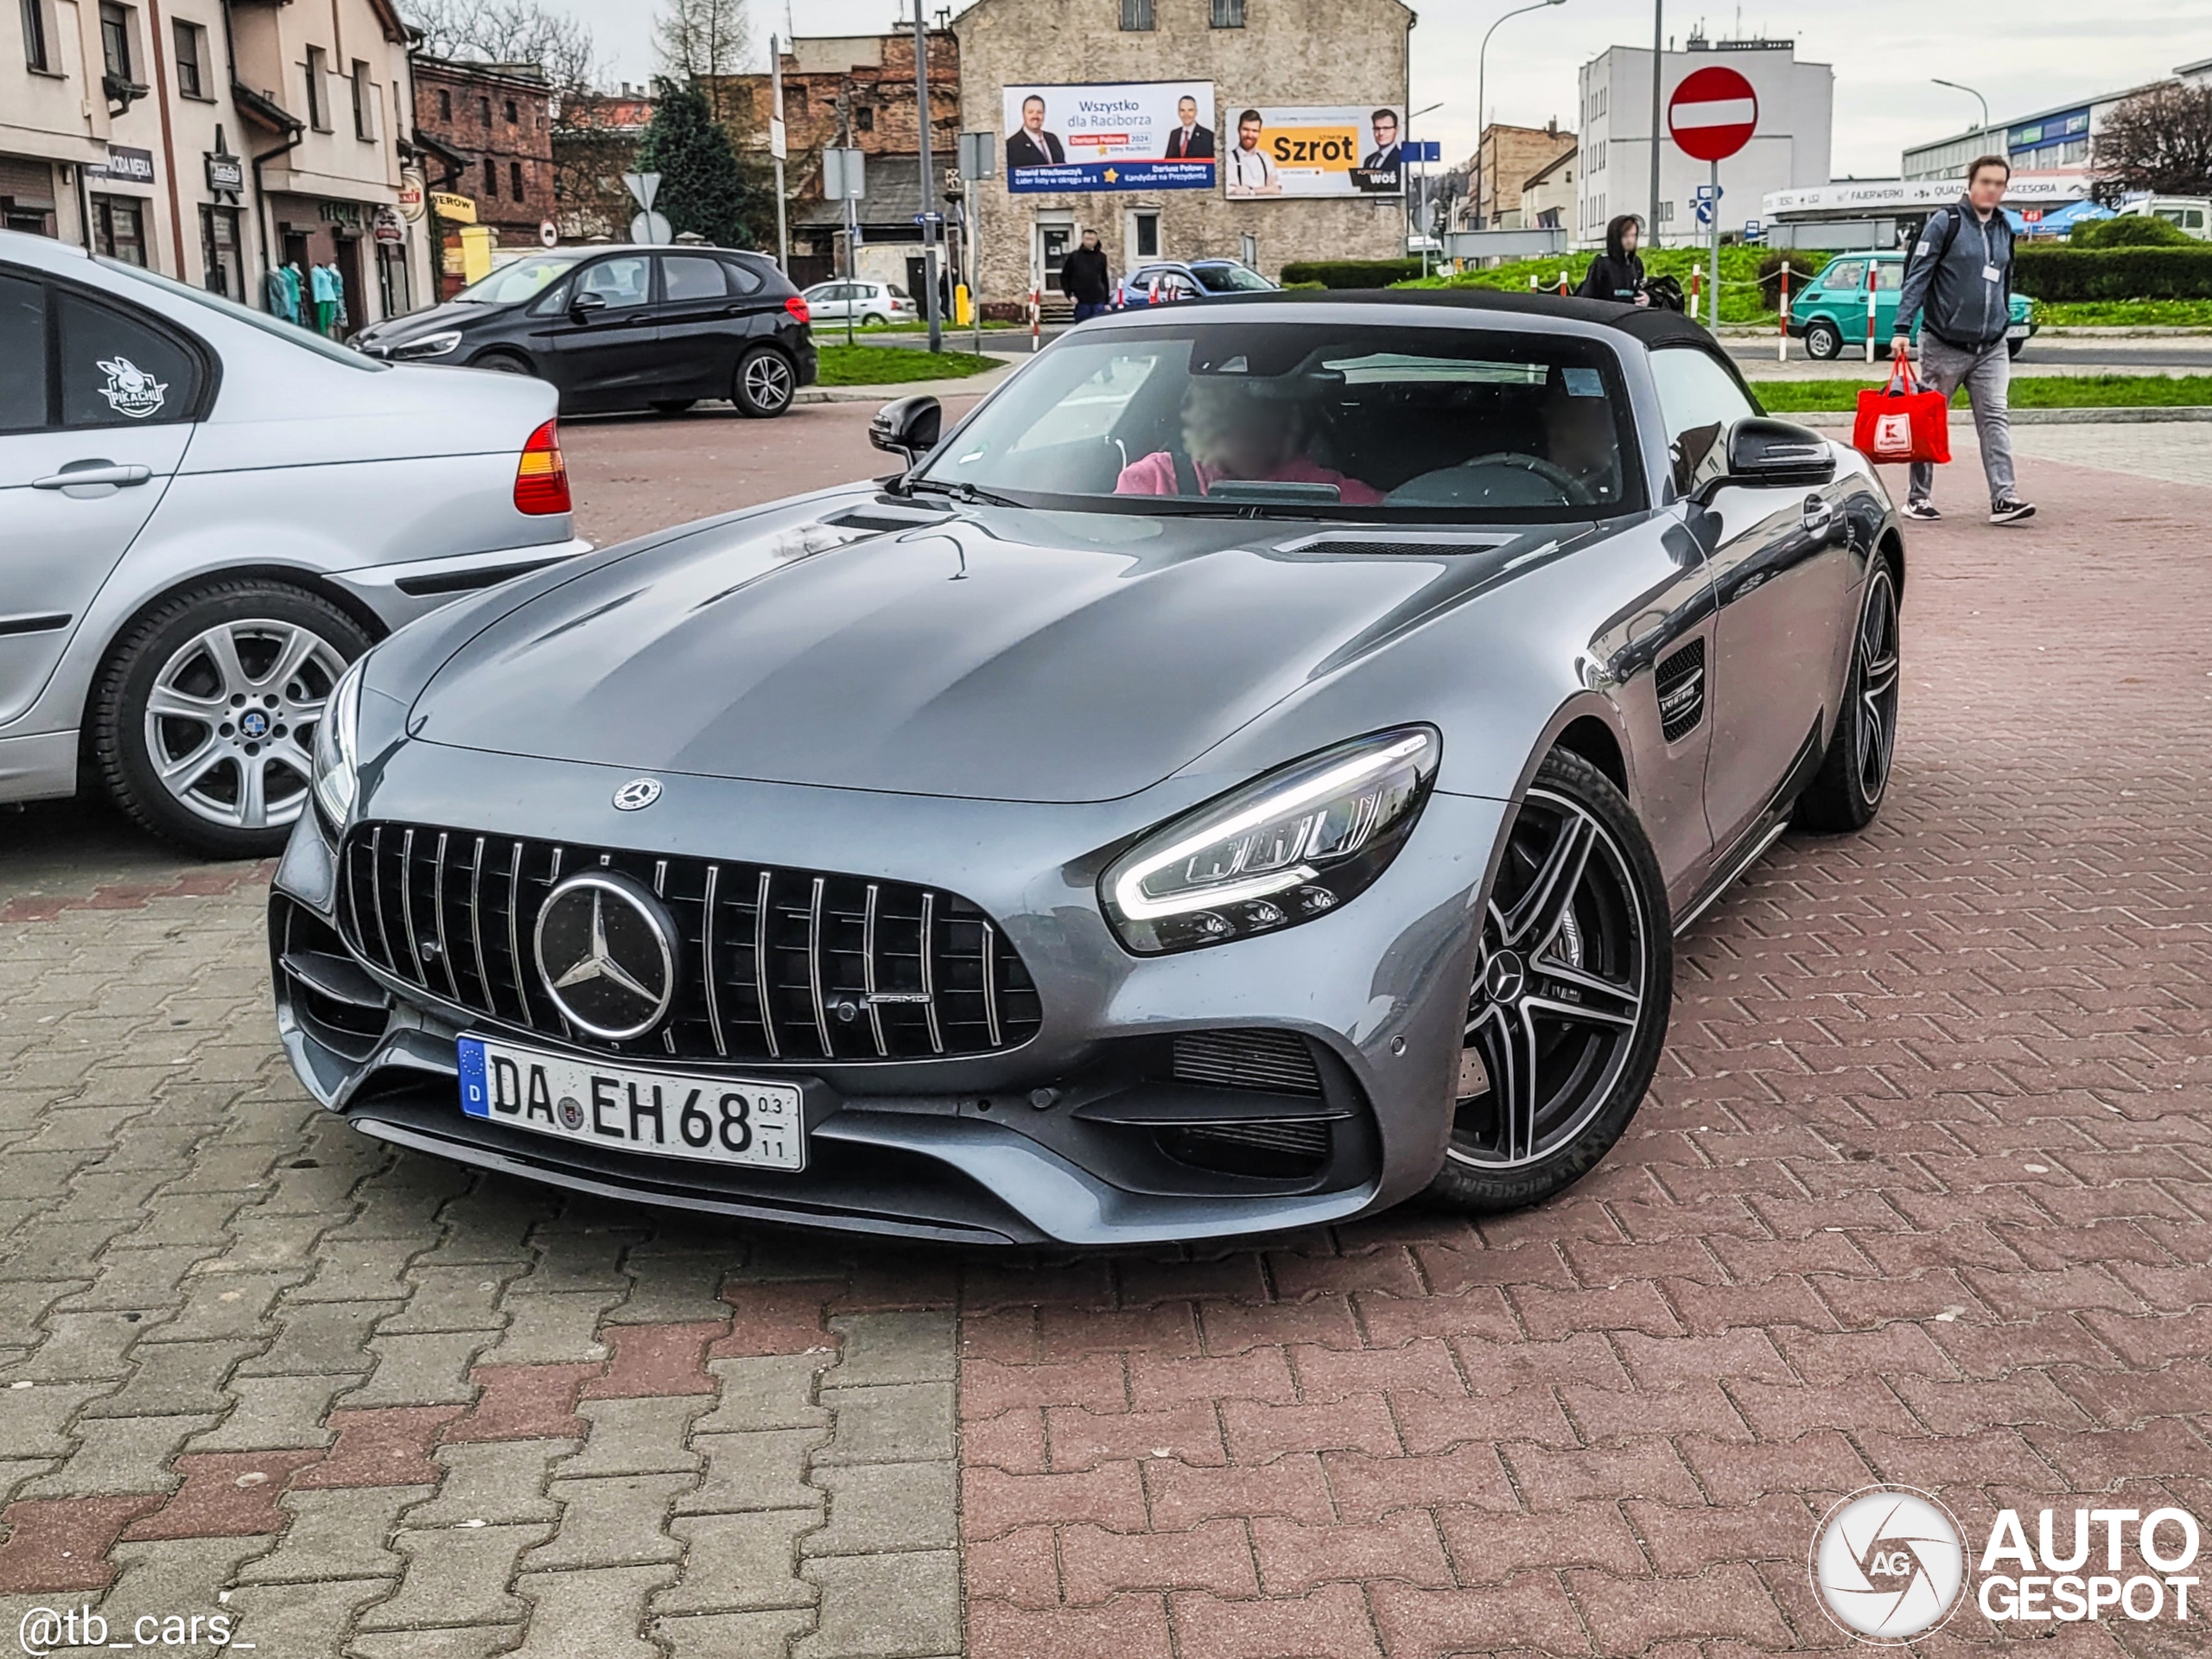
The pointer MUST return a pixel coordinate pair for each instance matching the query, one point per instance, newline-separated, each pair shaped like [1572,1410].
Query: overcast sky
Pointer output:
[2022,55]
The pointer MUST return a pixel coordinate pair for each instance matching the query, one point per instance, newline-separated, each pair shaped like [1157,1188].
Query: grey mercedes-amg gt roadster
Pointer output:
[1246,773]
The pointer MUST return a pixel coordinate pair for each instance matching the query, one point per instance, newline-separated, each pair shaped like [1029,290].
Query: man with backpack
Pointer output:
[1958,280]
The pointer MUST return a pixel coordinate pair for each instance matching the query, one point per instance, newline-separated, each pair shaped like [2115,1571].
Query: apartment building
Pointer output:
[211,140]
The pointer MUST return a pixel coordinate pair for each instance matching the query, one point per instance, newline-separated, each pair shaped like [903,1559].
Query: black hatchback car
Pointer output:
[623,328]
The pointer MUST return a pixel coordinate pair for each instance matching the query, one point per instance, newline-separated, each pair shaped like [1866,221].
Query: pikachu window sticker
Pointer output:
[129,389]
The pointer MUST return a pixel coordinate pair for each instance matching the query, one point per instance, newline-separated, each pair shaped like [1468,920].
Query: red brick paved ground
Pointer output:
[1924,1196]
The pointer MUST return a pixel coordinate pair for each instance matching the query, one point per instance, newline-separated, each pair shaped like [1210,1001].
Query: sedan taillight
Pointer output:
[541,476]
[797,306]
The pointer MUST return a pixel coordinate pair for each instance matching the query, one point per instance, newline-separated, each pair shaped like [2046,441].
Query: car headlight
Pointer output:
[437,345]
[1283,850]
[336,780]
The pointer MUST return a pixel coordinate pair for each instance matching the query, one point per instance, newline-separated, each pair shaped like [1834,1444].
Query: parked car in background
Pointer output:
[1830,313]
[2190,214]
[623,328]
[206,514]
[873,305]
[1165,281]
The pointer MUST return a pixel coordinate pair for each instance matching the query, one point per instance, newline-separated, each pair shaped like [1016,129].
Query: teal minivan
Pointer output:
[1830,313]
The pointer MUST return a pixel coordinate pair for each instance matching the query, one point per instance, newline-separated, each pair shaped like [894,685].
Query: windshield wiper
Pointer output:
[960,491]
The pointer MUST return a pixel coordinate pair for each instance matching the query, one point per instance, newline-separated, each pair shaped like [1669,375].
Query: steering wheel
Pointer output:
[1569,485]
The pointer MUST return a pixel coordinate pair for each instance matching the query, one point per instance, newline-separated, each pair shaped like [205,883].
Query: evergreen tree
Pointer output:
[702,188]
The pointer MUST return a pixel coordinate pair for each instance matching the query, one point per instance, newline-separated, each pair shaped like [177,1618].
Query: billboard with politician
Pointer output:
[1348,149]
[1155,135]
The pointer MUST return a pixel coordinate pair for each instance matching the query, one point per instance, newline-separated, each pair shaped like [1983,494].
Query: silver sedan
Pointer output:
[206,514]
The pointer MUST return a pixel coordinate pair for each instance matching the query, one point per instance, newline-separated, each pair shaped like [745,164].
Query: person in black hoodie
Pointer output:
[1085,278]
[1617,274]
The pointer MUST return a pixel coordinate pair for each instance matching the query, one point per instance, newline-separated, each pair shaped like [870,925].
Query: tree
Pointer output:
[2159,141]
[699,42]
[509,32]
[702,186]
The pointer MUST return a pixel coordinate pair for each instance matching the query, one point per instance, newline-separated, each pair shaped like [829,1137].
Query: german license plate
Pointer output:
[666,1114]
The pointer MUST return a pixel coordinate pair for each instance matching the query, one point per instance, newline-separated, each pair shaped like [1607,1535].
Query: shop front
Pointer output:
[349,257]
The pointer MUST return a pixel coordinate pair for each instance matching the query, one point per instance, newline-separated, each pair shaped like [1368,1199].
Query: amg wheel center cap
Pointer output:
[1503,978]
[607,955]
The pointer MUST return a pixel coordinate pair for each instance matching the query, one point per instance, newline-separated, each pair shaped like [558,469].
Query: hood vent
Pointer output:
[1392,544]
[1680,681]
[884,516]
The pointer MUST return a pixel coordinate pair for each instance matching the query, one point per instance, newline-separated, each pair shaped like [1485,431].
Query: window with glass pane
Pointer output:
[115,39]
[189,77]
[692,277]
[105,349]
[1229,13]
[1700,401]
[37,48]
[23,349]
[1136,14]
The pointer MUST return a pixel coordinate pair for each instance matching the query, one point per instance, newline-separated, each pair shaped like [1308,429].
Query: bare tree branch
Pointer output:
[2160,140]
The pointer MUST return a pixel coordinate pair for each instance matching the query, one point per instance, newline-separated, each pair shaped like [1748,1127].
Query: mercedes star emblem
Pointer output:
[607,955]
[637,794]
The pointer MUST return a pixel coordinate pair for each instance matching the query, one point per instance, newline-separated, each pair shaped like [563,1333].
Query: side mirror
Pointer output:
[585,303]
[908,427]
[1765,454]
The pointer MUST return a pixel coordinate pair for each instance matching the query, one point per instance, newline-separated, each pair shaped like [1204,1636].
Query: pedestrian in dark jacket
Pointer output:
[1617,274]
[1958,281]
[1085,278]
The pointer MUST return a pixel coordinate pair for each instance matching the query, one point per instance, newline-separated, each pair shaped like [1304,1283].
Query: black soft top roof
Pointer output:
[1654,324]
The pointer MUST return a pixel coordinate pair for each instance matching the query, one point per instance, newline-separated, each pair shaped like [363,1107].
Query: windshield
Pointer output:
[287,332]
[525,279]
[1232,279]
[1371,423]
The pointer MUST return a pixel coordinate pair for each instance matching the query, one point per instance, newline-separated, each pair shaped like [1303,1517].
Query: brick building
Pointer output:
[1269,53]
[857,89]
[491,128]
[1505,161]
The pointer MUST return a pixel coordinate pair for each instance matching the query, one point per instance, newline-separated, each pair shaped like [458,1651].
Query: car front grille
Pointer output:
[779,965]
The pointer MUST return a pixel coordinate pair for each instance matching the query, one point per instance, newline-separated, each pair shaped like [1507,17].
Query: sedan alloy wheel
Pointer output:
[230,722]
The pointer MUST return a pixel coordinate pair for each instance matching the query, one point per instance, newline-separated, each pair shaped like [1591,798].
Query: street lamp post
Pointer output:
[1956,87]
[1482,63]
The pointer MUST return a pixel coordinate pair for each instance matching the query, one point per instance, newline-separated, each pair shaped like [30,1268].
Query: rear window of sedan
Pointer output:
[290,333]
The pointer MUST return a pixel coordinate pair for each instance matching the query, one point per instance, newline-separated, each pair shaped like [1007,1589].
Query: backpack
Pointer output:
[1665,294]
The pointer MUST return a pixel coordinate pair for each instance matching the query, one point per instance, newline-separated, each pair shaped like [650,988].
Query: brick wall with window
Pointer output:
[502,121]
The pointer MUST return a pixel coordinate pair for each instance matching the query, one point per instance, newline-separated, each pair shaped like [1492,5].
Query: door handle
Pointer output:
[1820,514]
[93,472]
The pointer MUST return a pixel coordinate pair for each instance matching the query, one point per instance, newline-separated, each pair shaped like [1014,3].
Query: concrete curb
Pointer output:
[1844,417]
[883,394]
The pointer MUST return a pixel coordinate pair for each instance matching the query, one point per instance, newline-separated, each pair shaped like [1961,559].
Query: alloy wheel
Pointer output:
[1878,683]
[767,381]
[1560,989]
[231,720]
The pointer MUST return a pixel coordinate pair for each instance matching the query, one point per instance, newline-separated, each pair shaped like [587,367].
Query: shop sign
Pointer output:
[454,210]
[411,195]
[390,229]
[124,165]
[225,173]
[346,213]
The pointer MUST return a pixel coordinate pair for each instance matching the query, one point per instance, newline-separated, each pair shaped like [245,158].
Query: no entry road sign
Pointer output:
[1712,113]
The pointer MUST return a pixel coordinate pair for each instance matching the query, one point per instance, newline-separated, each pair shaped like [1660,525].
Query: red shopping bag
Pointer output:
[1903,421]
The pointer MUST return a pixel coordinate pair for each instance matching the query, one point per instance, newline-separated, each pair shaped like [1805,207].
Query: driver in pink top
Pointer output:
[1231,434]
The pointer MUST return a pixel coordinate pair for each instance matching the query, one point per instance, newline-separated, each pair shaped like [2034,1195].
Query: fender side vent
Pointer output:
[1680,681]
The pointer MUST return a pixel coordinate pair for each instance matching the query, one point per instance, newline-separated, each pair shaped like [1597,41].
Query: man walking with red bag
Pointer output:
[1958,280]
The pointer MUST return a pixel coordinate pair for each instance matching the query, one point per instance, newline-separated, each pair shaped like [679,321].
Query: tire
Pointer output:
[671,405]
[1847,792]
[1572,985]
[1823,340]
[764,382]
[247,791]
[875,320]
[501,363]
